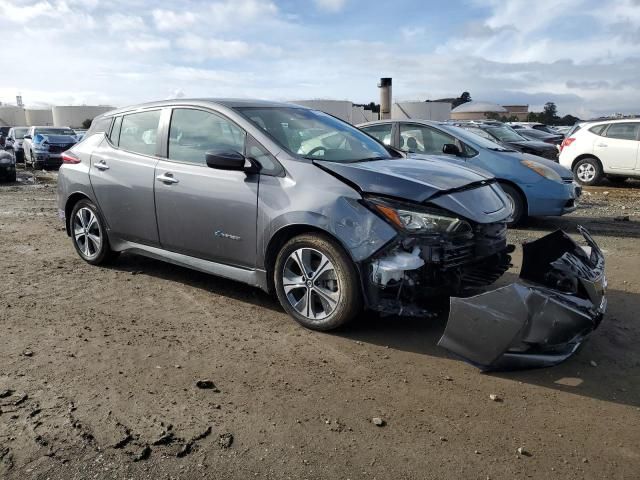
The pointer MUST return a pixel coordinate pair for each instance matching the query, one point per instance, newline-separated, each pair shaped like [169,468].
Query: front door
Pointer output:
[205,212]
[618,148]
[122,176]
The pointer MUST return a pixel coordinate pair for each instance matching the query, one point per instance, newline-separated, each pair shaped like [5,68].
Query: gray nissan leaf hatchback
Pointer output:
[285,198]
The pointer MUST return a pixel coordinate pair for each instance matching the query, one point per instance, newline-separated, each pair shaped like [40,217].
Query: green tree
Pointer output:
[463,98]
[550,113]
[87,123]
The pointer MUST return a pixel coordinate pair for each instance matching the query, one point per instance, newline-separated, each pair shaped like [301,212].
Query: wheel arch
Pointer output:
[517,188]
[68,208]
[586,155]
[286,233]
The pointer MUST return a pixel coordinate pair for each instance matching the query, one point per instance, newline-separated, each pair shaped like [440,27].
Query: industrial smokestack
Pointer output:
[385,98]
[19,101]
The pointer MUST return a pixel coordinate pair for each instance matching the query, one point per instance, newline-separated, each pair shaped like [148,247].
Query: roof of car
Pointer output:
[405,120]
[225,102]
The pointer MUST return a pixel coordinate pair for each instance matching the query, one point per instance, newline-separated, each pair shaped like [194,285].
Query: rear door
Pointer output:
[205,212]
[617,148]
[122,176]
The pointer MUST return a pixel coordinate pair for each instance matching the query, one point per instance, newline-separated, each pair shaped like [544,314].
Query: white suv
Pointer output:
[606,148]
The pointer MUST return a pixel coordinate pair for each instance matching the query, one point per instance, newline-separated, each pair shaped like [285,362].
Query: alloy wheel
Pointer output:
[586,172]
[87,233]
[310,283]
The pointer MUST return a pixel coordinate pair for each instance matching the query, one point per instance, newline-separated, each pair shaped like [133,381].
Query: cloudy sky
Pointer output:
[582,54]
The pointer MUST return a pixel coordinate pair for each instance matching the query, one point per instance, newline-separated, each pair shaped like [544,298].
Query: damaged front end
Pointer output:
[434,255]
[542,319]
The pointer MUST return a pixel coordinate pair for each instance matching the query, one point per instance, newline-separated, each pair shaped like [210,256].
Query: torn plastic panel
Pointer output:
[540,321]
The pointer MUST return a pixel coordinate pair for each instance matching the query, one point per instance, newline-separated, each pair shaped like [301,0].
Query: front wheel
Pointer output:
[317,283]
[89,234]
[588,171]
[516,201]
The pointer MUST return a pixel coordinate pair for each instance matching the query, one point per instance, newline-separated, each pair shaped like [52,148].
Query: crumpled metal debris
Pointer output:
[542,319]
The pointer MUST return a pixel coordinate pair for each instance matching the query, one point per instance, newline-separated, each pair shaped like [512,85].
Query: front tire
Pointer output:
[517,204]
[588,171]
[89,234]
[317,283]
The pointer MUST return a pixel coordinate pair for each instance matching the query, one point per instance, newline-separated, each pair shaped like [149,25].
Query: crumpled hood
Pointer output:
[414,179]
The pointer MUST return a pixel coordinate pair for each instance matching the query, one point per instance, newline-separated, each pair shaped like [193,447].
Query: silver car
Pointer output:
[285,198]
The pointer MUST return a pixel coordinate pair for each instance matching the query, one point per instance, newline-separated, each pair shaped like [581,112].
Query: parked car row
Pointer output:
[39,147]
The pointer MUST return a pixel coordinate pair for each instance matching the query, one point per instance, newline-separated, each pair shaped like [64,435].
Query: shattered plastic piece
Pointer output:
[540,321]
[392,267]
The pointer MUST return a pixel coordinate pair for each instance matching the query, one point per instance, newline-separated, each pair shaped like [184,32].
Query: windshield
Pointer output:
[54,131]
[20,132]
[315,135]
[505,134]
[473,139]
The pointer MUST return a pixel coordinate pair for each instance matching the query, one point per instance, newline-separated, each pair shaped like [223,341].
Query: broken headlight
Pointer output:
[413,219]
[543,170]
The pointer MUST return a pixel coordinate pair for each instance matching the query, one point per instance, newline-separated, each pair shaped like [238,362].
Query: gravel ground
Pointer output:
[99,370]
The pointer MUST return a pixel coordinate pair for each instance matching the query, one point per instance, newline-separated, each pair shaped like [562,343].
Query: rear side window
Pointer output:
[380,132]
[195,132]
[623,131]
[114,136]
[598,129]
[139,132]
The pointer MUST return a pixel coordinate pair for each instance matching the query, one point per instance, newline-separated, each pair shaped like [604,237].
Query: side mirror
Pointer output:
[225,160]
[27,137]
[451,149]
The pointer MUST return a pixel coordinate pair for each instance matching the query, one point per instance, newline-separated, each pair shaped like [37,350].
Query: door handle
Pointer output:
[167,178]
[101,165]
[602,145]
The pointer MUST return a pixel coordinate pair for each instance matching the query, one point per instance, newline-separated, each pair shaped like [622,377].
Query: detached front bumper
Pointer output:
[539,321]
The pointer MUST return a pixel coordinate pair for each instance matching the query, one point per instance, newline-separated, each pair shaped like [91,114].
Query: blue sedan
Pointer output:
[535,186]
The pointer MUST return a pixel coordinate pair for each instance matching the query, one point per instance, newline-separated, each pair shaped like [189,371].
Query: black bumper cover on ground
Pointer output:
[539,321]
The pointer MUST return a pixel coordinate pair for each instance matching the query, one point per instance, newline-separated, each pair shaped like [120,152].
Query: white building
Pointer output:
[60,116]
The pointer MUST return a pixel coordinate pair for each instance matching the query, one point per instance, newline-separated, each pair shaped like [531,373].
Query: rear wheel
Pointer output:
[89,234]
[517,204]
[588,171]
[317,283]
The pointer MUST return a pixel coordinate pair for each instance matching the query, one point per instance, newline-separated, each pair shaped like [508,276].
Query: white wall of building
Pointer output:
[36,116]
[73,116]
[11,115]
[360,115]
[338,108]
[438,111]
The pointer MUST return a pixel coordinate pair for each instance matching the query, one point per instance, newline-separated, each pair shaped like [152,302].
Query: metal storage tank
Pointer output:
[338,108]
[38,116]
[438,111]
[12,116]
[73,115]
[476,111]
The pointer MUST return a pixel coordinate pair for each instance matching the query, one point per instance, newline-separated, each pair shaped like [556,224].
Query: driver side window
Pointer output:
[194,132]
[423,139]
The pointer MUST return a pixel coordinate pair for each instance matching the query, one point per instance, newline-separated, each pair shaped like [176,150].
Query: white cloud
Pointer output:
[166,20]
[118,22]
[146,43]
[204,48]
[331,5]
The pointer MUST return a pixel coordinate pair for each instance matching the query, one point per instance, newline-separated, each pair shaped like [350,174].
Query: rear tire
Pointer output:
[89,234]
[317,283]
[588,171]
[517,203]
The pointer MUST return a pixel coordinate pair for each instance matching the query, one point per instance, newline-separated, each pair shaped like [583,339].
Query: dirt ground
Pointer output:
[98,372]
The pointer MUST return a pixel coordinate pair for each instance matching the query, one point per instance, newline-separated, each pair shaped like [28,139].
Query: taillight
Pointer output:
[70,157]
[566,142]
